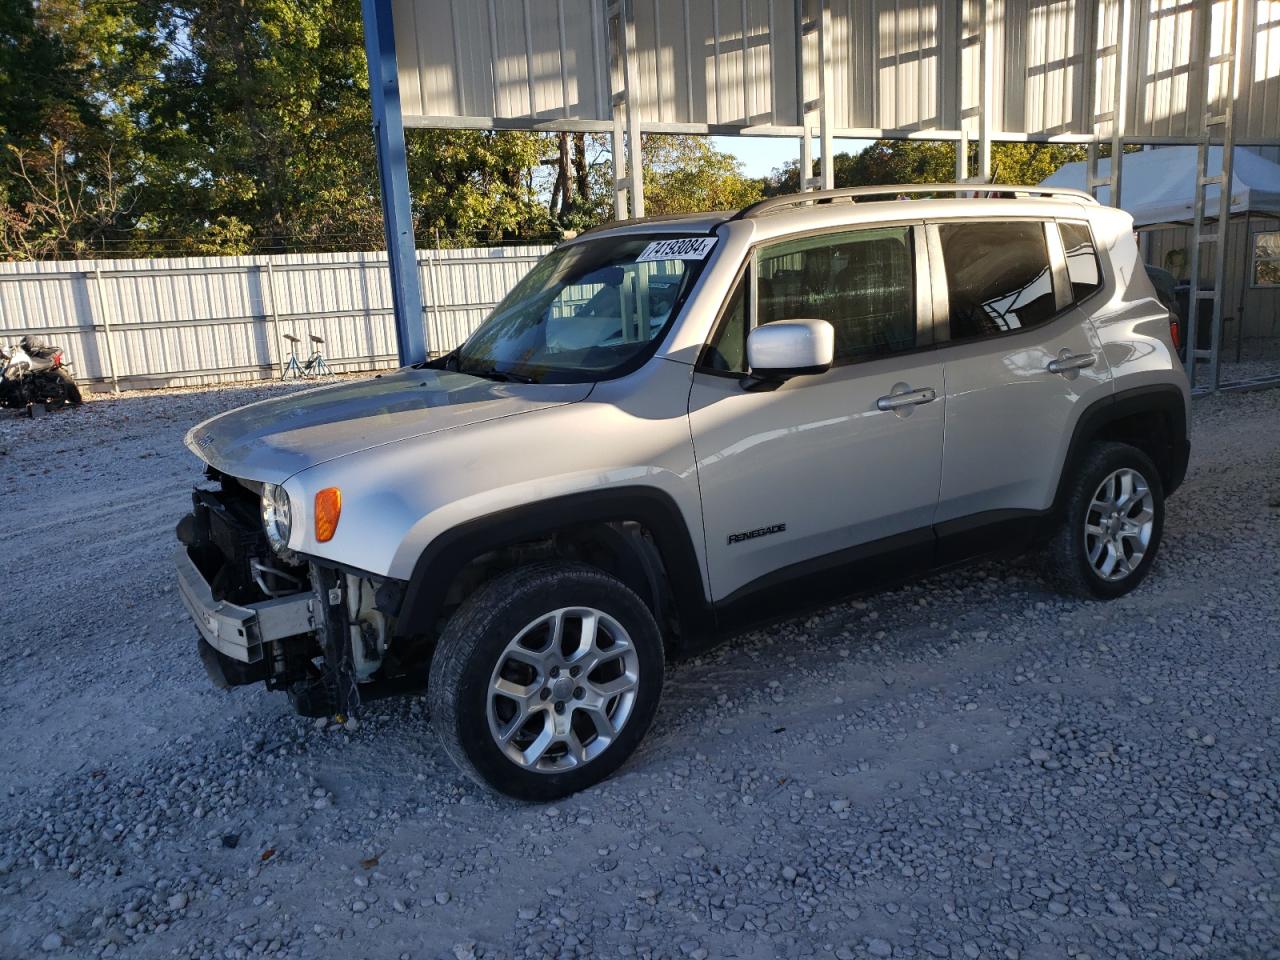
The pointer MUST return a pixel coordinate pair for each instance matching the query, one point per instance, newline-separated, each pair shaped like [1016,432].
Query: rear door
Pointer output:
[802,479]
[1021,360]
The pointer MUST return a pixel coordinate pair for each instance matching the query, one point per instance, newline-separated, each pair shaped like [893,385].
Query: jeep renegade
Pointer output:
[674,427]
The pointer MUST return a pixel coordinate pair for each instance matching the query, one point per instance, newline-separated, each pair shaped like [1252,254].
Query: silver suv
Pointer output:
[674,427]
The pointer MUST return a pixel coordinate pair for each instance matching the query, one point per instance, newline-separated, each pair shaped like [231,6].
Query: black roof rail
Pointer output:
[854,194]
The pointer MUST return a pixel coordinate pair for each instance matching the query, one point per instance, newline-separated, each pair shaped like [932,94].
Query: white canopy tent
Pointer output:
[1160,185]
[1159,191]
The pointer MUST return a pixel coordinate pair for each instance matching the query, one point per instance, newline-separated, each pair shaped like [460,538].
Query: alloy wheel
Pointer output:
[563,689]
[1119,524]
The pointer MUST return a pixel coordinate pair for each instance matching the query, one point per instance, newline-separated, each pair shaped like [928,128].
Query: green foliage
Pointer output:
[476,187]
[932,161]
[682,174]
[223,127]
[266,126]
[1029,163]
[688,175]
[69,164]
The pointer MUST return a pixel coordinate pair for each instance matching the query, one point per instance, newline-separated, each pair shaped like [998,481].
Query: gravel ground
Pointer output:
[966,767]
[1250,369]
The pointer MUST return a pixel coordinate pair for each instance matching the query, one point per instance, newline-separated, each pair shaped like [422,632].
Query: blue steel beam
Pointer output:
[393,178]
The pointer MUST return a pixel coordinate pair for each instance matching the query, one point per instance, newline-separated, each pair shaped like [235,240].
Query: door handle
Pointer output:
[1066,362]
[908,398]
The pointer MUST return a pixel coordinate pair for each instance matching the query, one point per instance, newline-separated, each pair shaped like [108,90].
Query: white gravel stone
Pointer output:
[1077,816]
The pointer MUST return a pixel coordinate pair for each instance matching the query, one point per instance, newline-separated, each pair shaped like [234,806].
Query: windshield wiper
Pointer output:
[501,376]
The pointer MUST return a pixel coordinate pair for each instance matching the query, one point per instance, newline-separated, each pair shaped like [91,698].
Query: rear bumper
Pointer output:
[240,632]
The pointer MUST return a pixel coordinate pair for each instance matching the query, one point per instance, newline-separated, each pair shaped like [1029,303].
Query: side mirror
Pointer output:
[778,351]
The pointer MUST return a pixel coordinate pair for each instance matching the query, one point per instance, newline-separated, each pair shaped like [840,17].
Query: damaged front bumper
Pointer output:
[318,633]
[235,631]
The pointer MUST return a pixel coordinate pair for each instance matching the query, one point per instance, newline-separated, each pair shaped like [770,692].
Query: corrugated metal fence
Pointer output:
[149,322]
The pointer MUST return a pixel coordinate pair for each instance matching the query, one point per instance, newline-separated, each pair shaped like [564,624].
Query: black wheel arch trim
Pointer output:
[448,553]
[1163,398]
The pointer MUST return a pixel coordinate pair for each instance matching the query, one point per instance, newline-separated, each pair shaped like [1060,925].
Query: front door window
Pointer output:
[861,282]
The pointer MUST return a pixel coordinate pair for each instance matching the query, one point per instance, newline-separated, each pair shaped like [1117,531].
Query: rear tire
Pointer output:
[545,680]
[1111,530]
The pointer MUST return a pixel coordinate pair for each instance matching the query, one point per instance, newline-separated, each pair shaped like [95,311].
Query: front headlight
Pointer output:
[277,516]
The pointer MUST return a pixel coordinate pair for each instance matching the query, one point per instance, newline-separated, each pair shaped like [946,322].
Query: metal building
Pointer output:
[1249,343]
[1097,72]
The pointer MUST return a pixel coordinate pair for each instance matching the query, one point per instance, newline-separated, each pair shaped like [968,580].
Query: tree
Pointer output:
[688,175]
[261,139]
[69,164]
[227,126]
[242,126]
[1029,163]
[259,133]
[62,200]
[581,181]
[471,186]
[682,174]
[933,161]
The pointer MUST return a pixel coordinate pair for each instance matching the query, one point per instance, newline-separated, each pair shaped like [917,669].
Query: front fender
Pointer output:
[399,499]
[449,551]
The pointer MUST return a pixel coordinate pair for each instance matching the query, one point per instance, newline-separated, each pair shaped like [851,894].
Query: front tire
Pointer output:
[1112,526]
[545,680]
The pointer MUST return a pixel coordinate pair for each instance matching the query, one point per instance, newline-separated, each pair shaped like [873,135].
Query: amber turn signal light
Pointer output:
[328,510]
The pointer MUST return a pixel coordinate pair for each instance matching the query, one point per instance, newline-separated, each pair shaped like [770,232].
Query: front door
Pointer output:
[832,467]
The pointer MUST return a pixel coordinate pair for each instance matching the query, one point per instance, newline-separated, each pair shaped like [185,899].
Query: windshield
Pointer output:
[588,311]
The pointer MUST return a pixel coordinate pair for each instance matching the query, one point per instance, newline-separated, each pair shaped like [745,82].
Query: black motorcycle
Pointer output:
[34,372]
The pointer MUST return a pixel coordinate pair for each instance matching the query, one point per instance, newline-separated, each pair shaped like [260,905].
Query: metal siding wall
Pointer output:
[1167,83]
[209,318]
[894,64]
[853,101]
[970,65]
[906,65]
[1258,106]
[500,58]
[716,62]
[1049,53]
[1097,97]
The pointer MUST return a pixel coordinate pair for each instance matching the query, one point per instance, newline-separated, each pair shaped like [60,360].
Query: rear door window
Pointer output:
[999,280]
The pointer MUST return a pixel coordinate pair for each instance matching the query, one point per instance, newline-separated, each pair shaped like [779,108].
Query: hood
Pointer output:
[274,439]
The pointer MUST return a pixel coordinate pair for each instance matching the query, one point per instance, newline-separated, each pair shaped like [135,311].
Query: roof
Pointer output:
[893,192]
[953,195]
[664,223]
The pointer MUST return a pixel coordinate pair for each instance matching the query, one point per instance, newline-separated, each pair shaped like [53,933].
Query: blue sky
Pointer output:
[761,155]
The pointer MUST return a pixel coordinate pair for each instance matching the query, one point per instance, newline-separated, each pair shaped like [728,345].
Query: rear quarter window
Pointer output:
[1083,269]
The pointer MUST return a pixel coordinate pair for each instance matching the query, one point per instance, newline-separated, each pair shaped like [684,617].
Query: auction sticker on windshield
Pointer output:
[685,248]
